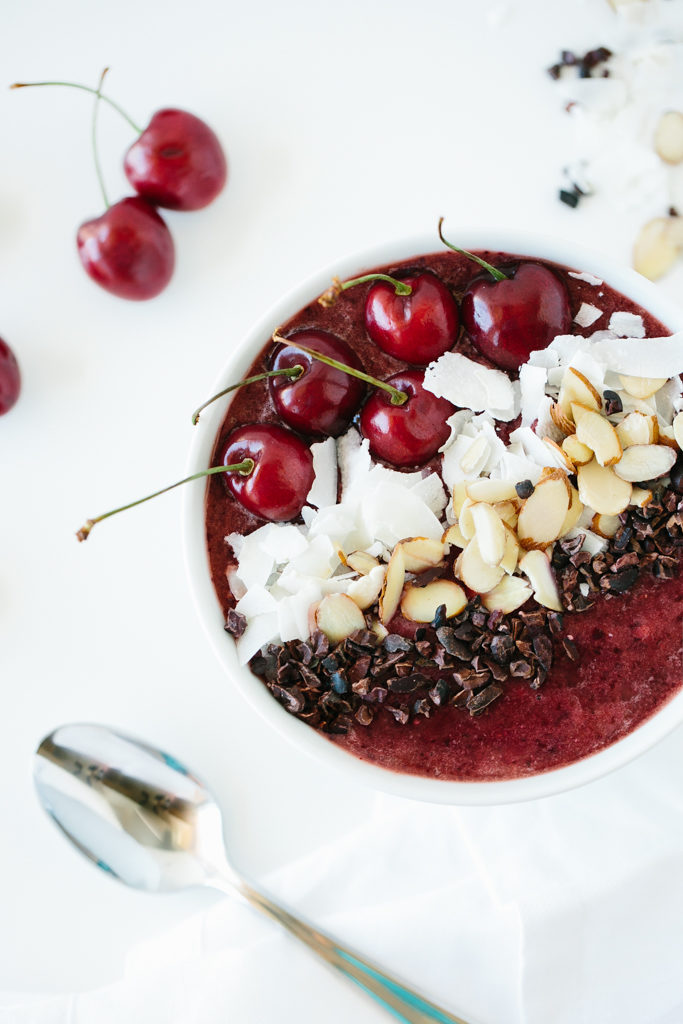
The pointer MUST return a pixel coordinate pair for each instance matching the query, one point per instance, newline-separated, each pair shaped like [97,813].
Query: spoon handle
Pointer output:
[393,995]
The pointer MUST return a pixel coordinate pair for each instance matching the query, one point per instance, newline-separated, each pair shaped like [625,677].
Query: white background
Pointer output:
[345,125]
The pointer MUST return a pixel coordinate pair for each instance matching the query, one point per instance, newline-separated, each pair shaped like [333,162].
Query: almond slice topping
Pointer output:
[641,497]
[577,388]
[561,455]
[393,585]
[475,573]
[573,513]
[667,436]
[641,387]
[637,428]
[645,462]
[577,451]
[489,531]
[602,490]
[560,419]
[420,553]
[454,537]
[669,137]
[509,595]
[597,433]
[605,526]
[476,455]
[459,496]
[543,513]
[465,521]
[657,247]
[337,616]
[678,429]
[421,603]
[509,560]
[365,591]
[508,511]
[536,567]
[485,489]
[360,561]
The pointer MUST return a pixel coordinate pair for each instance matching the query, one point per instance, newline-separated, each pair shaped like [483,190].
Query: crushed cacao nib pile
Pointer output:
[467,660]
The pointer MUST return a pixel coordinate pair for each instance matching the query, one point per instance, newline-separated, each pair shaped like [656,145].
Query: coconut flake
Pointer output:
[627,325]
[469,385]
[430,490]
[323,490]
[532,381]
[588,278]
[261,630]
[392,513]
[456,422]
[587,314]
[661,357]
[256,601]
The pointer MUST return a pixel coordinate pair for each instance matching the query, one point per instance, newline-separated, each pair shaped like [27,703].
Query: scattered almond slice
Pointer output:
[508,511]
[420,553]
[560,454]
[393,585]
[560,419]
[536,567]
[459,496]
[543,513]
[573,513]
[576,387]
[668,138]
[597,433]
[658,246]
[641,497]
[476,455]
[360,561]
[645,462]
[365,591]
[489,531]
[677,426]
[577,451]
[380,631]
[666,435]
[602,490]
[475,573]
[454,537]
[509,595]
[605,526]
[641,387]
[465,521]
[637,428]
[509,560]
[421,603]
[337,616]
[485,489]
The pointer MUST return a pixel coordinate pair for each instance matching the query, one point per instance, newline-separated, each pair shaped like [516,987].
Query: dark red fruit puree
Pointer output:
[614,662]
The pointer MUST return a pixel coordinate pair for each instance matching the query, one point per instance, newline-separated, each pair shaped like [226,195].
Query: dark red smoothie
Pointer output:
[630,644]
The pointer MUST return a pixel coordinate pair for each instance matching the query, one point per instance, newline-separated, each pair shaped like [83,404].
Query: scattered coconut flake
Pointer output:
[456,422]
[587,314]
[583,276]
[355,463]
[627,325]
[469,385]
[235,583]
[392,513]
[282,541]
[235,540]
[661,357]
[323,491]
[256,601]
[431,491]
[261,630]
[545,357]
[320,559]
[255,564]
[532,381]
[517,467]
[669,399]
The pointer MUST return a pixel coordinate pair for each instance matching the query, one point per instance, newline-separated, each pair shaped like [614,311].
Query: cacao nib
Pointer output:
[235,624]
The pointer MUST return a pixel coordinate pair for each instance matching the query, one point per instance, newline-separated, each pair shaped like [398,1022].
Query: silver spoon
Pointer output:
[143,817]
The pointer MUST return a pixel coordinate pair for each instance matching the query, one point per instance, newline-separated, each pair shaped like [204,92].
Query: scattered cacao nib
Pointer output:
[570,648]
[476,702]
[400,714]
[235,624]
[407,684]
[613,403]
[393,643]
[569,198]
[524,489]
[522,669]
[440,692]
[422,707]
[543,649]
[440,617]
[364,715]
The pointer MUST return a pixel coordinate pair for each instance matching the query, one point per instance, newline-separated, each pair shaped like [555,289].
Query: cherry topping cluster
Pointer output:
[177,163]
[10,378]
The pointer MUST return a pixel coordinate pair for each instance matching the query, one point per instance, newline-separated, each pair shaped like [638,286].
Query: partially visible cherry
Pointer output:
[410,434]
[10,378]
[277,487]
[418,327]
[177,162]
[322,401]
[128,250]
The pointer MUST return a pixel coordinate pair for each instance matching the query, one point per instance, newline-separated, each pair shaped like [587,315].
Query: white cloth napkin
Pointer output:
[566,910]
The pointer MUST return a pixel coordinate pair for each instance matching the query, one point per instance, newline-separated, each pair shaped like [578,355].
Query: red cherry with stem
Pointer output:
[277,487]
[177,162]
[418,327]
[321,401]
[410,434]
[509,314]
[128,250]
[10,378]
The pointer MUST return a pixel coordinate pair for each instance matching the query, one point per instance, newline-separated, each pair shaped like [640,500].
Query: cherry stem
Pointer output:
[84,88]
[497,275]
[329,297]
[98,168]
[291,371]
[244,468]
[397,397]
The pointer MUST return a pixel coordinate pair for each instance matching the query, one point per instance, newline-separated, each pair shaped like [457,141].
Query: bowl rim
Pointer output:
[310,741]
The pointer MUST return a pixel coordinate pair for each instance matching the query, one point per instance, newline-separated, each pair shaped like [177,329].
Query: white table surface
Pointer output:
[345,125]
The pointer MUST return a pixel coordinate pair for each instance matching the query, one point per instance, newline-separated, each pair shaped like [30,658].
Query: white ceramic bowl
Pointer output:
[304,737]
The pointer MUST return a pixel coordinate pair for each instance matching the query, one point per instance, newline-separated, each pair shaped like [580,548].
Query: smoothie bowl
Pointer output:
[463,585]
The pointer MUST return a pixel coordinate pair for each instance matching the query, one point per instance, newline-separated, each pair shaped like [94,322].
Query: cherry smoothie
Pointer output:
[614,663]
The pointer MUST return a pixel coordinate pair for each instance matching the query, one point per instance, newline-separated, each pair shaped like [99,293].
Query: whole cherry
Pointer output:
[10,378]
[409,434]
[177,162]
[128,250]
[512,312]
[418,327]
[322,400]
[282,475]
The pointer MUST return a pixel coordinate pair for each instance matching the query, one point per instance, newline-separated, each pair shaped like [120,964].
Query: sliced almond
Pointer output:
[508,511]
[420,553]
[337,616]
[379,630]
[641,387]
[360,561]
[537,568]
[421,603]
[597,433]
[573,513]
[509,595]
[475,573]
[637,428]
[657,247]
[666,436]
[509,560]
[577,451]
[459,496]
[465,521]
[560,419]
[365,591]
[601,489]
[641,497]
[393,585]
[605,526]
[645,462]
[485,489]
[543,513]
[668,138]
[560,454]
[677,426]
[476,455]
[576,387]
[489,531]
[454,537]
